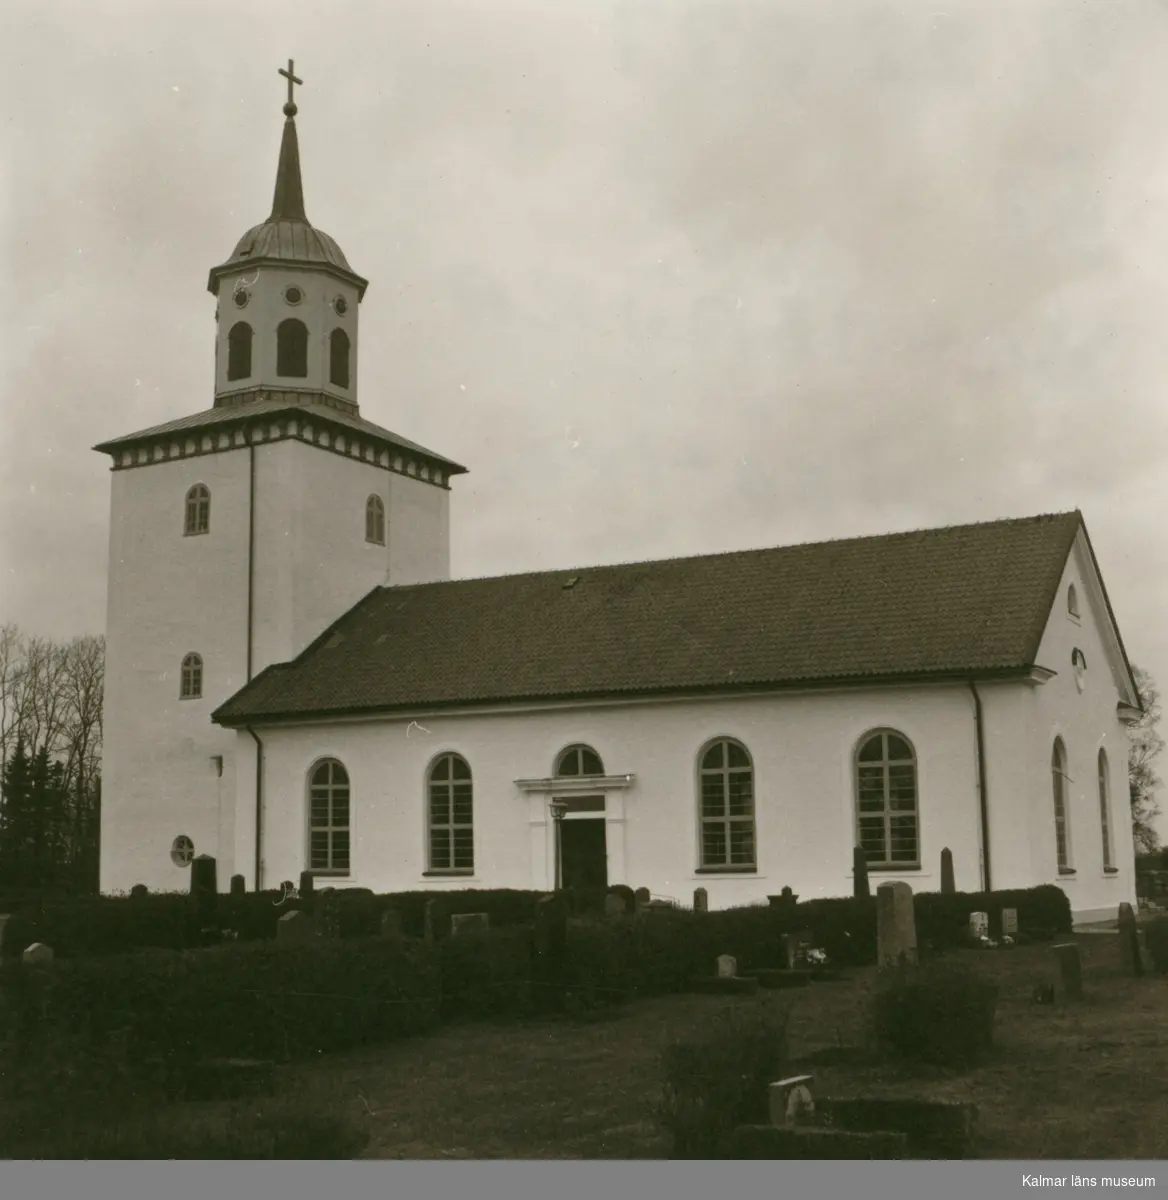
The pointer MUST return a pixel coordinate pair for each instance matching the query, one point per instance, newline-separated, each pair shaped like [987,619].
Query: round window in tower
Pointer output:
[293,294]
[182,851]
[341,305]
[241,297]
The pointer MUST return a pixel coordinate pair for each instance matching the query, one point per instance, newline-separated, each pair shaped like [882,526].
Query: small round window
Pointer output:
[241,297]
[341,305]
[182,851]
[293,295]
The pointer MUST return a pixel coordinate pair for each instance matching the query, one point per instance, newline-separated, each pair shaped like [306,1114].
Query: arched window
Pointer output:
[239,351]
[727,807]
[1072,601]
[579,760]
[1105,811]
[887,815]
[339,358]
[328,818]
[198,510]
[1062,821]
[375,520]
[292,349]
[1079,666]
[191,678]
[451,815]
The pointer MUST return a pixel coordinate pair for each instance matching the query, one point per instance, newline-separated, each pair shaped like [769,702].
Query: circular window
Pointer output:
[241,298]
[341,305]
[182,850]
[293,295]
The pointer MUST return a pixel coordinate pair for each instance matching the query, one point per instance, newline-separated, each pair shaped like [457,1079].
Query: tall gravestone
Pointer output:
[307,888]
[1129,941]
[205,890]
[948,882]
[861,889]
[238,886]
[896,926]
[1068,979]
[701,900]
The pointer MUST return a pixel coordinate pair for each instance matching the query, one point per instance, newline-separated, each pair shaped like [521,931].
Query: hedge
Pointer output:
[264,1000]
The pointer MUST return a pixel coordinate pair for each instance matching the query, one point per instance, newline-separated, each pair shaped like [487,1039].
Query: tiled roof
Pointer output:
[321,413]
[970,599]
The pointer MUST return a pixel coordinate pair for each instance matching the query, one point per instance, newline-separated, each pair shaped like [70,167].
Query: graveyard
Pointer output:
[538,1033]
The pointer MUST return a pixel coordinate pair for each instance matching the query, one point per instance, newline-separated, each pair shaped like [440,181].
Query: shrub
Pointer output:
[943,919]
[719,1080]
[261,1000]
[940,1013]
[486,974]
[503,906]
[1156,937]
[599,961]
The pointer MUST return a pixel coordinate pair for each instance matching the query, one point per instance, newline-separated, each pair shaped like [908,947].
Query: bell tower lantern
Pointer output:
[287,301]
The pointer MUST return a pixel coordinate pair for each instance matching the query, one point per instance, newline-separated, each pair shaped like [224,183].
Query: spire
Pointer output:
[288,201]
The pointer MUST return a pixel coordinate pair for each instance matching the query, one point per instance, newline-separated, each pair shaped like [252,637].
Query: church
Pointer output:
[294,682]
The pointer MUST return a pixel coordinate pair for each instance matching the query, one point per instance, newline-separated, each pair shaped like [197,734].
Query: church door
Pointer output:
[584,854]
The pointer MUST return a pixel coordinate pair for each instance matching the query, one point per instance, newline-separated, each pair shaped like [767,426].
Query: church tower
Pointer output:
[238,534]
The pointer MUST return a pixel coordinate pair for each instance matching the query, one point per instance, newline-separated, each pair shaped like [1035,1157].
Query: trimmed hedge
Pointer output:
[262,1000]
[486,973]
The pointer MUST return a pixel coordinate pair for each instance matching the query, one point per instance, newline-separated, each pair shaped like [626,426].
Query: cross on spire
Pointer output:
[290,107]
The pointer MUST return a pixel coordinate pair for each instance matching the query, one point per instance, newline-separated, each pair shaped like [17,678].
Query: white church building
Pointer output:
[294,682]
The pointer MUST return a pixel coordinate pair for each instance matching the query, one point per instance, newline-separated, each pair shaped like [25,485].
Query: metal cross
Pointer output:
[291,80]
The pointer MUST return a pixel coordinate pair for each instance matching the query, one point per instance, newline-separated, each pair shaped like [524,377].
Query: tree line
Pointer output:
[50,747]
[50,740]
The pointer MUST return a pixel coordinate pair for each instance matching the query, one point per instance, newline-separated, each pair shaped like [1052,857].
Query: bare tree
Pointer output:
[1145,745]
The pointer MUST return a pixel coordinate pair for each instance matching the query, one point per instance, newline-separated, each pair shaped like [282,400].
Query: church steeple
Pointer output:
[287,300]
[288,201]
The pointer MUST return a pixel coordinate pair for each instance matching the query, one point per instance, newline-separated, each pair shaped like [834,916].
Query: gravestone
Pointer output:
[238,886]
[1068,981]
[642,897]
[429,920]
[861,889]
[328,913]
[896,926]
[727,966]
[469,923]
[979,925]
[791,1101]
[204,890]
[948,883]
[1129,942]
[614,905]
[786,901]
[391,926]
[1010,922]
[139,891]
[701,900]
[295,926]
[37,955]
[307,885]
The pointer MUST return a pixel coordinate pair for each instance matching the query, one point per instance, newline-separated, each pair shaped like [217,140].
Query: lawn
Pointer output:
[1088,1081]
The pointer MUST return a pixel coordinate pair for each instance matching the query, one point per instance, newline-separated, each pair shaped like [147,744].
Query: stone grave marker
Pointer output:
[469,923]
[307,885]
[979,925]
[1010,922]
[861,888]
[295,926]
[701,900]
[238,886]
[642,897]
[205,890]
[727,966]
[1068,981]
[948,882]
[328,912]
[896,926]
[37,954]
[614,905]
[391,926]
[1129,942]
[792,1101]
[139,891]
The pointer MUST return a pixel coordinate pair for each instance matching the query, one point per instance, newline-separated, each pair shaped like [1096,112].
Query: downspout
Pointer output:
[983,799]
[259,809]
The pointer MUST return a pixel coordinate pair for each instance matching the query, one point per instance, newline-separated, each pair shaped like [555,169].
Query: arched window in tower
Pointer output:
[191,678]
[239,351]
[1060,782]
[339,358]
[375,520]
[292,349]
[198,510]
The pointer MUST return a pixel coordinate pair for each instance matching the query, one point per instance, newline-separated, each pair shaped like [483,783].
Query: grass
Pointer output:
[1088,1081]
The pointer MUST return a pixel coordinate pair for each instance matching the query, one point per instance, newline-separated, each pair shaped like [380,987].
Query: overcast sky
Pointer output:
[669,276]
